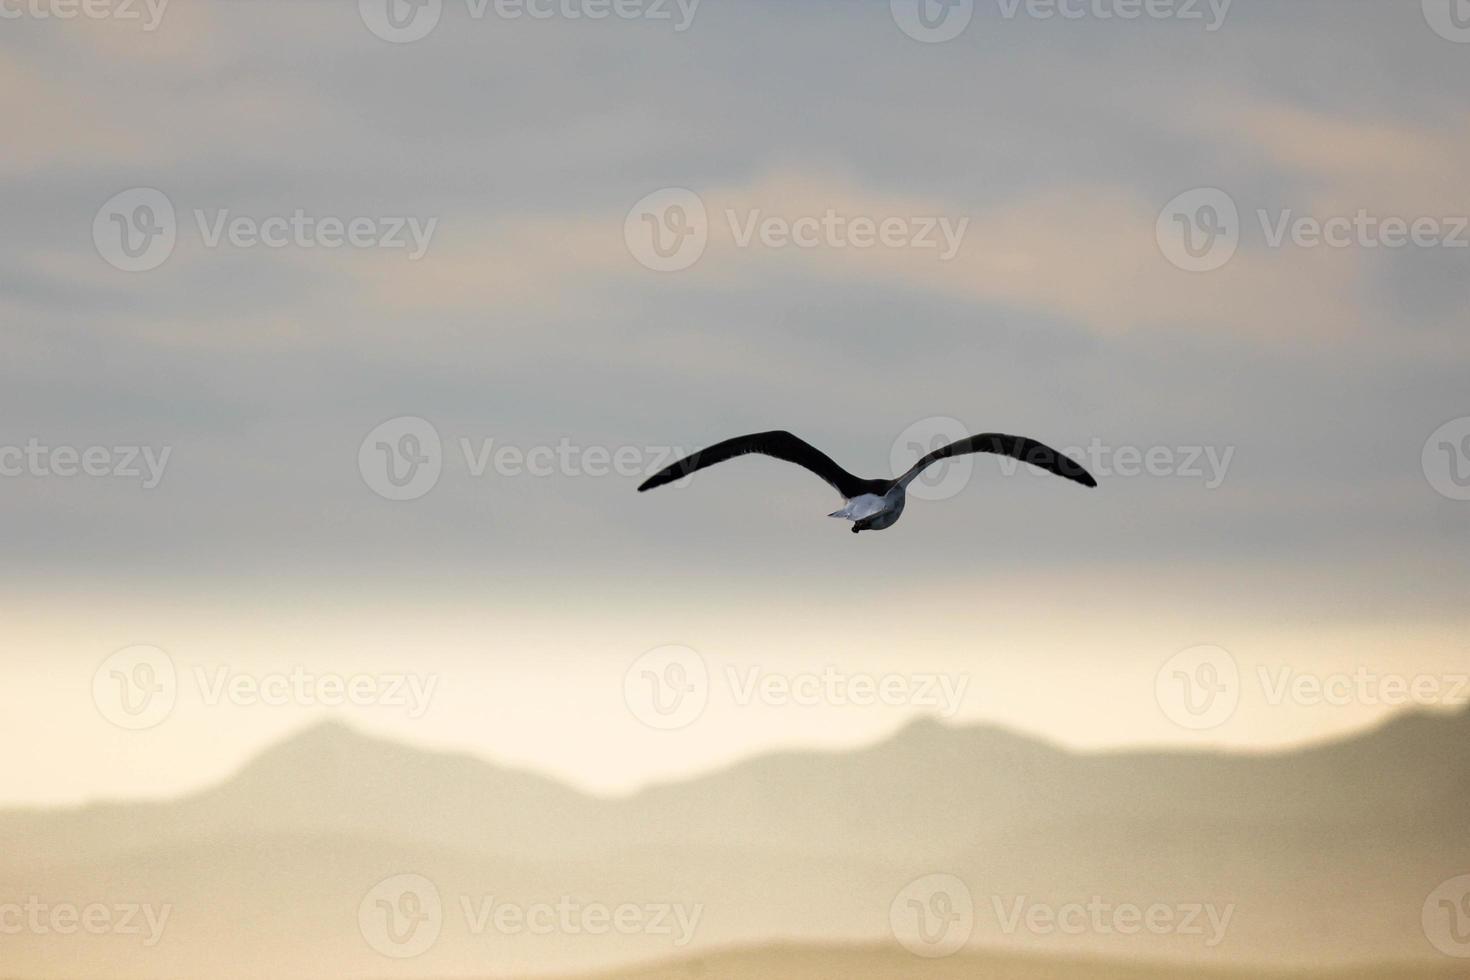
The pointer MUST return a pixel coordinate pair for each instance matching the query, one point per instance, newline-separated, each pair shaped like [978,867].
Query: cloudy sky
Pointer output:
[337,338]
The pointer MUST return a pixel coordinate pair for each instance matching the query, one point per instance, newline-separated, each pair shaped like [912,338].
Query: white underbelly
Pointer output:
[863,506]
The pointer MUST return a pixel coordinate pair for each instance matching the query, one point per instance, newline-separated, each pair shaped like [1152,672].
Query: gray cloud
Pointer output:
[265,369]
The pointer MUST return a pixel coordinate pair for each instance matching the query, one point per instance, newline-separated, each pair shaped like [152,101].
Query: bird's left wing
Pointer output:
[1017,447]
[778,444]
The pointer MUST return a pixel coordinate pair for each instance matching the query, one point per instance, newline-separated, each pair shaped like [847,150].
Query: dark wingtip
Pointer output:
[657,480]
[1087,481]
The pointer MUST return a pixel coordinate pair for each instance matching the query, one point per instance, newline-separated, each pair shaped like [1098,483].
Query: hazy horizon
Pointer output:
[475,752]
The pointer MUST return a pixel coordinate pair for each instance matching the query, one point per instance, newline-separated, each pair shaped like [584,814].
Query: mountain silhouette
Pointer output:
[1324,854]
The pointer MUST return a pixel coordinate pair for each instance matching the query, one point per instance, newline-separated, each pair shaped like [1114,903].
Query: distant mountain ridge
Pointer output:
[1326,853]
[332,778]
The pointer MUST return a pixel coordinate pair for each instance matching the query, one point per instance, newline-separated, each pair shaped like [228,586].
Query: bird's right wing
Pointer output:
[779,444]
[1017,447]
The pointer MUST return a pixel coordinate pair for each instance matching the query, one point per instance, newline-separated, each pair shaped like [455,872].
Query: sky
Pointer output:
[336,344]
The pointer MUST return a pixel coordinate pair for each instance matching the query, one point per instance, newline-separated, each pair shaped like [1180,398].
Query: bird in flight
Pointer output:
[872,505]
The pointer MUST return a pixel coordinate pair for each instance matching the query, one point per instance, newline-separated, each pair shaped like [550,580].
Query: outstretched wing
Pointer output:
[1018,447]
[781,445]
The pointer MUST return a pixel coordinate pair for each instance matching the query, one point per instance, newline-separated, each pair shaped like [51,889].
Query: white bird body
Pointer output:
[879,511]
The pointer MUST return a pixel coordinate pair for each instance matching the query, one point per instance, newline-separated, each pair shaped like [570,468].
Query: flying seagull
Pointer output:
[872,505]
